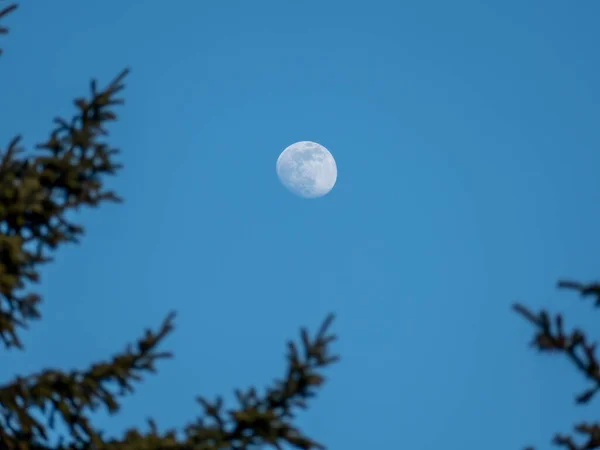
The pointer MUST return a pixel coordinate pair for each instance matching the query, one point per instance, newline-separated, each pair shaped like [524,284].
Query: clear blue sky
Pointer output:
[467,143]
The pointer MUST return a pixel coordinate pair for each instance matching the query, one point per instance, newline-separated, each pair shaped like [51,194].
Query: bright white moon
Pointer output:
[307,169]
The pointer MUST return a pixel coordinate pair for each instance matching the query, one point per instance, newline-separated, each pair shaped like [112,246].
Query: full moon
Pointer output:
[307,169]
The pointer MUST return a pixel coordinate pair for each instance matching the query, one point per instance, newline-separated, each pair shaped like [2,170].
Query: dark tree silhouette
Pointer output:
[64,173]
[576,346]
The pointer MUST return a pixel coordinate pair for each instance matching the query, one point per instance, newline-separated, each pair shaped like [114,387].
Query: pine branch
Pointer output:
[258,421]
[72,396]
[575,345]
[3,13]
[37,192]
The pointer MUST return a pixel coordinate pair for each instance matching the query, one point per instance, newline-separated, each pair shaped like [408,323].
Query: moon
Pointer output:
[307,169]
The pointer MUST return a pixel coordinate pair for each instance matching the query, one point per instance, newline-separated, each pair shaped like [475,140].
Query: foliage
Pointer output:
[576,346]
[37,192]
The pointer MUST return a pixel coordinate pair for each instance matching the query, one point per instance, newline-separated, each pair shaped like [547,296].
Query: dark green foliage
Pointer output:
[576,346]
[36,194]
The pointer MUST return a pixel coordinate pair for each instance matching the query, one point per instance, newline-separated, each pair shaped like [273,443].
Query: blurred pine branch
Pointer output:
[576,346]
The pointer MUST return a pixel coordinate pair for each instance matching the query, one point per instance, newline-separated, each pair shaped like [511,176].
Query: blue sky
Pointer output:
[466,140]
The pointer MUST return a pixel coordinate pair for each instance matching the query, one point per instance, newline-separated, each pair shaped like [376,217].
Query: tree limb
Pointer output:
[36,193]
[551,337]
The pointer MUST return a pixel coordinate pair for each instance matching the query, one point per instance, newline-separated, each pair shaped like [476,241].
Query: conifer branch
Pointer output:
[259,419]
[72,396]
[3,13]
[37,192]
[576,346]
